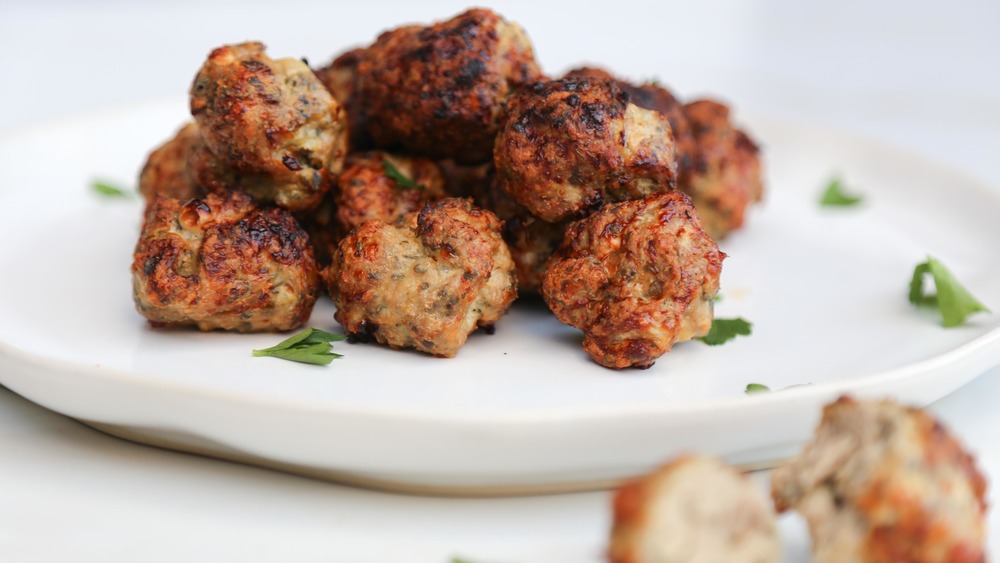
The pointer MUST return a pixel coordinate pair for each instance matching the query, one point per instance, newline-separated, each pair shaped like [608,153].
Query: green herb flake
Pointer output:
[756,388]
[953,301]
[724,330]
[834,196]
[107,189]
[401,179]
[311,346]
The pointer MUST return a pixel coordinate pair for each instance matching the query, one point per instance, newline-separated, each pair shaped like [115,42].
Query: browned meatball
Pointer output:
[636,277]
[425,282]
[340,78]
[695,509]
[167,171]
[271,122]
[568,146]
[883,483]
[365,190]
[222,263]
[439,91]
[723,174]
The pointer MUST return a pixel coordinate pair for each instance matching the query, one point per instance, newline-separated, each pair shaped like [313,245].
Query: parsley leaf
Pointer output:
[311,346]
[107,189]
[834,196]
[401,179]
[953,301]
[756,388]
[724,330]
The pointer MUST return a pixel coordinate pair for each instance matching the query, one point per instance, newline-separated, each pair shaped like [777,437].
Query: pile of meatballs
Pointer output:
[427,180]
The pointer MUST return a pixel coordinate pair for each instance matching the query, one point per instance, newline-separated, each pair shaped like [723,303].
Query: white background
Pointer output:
[917,74]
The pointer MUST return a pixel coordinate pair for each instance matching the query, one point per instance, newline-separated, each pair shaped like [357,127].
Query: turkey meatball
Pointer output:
[272,122]
[723,173]
[340,78]
[636,277]
[222,263]
[882,482]
[568,146]
[439,91]
[425,282]
[695,509]
[167,170]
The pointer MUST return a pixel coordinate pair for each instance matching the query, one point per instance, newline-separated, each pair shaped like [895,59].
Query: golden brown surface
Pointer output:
[425,282]
[365,191]
[438,91]
[567,147]
[222,263]
[723,176]
[636,277]
[167,171]
[694,509]
[340,78]
[884,483]
[271,122]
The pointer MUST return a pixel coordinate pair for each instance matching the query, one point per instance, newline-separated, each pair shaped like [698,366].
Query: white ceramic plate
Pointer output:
[524,409]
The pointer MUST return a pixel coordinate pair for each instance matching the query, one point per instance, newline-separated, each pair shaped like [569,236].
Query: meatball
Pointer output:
[272,122]
[568,146]
[167,171]
[723,173]
[222,263]
[425,282]
[882,482]
[366,191]
[439,91]
[695,509]
[340,78]
[636,277]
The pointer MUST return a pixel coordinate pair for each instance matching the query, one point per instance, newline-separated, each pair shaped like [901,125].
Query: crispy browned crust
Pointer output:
[438,91]
[365,191]
[636,277]
[272,122]
[568,146]
[222,263]
[922,500]
[425,282]
[340,78]
[723,173]
[167,172]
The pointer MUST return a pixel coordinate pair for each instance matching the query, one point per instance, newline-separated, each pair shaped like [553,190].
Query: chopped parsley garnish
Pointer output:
[311,346]
[756,388]
[834,196]
[401,179]
[107,189]
[953,301]
[724,330]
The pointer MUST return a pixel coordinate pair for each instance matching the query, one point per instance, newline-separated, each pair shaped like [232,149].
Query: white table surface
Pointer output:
[920,75]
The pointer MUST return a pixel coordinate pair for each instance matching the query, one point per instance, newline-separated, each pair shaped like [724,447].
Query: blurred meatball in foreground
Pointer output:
[222,263]
[635,277]
[167,170]
[883,483]
[438,91]
[567,147]
[425,282]
[272,122]
[695,509]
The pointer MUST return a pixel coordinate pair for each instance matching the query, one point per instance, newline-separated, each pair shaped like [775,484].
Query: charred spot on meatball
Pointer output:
[635,277]
[271,122]
[425,282]
[439,91]
[567,147]
[881,482]
[221,262]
